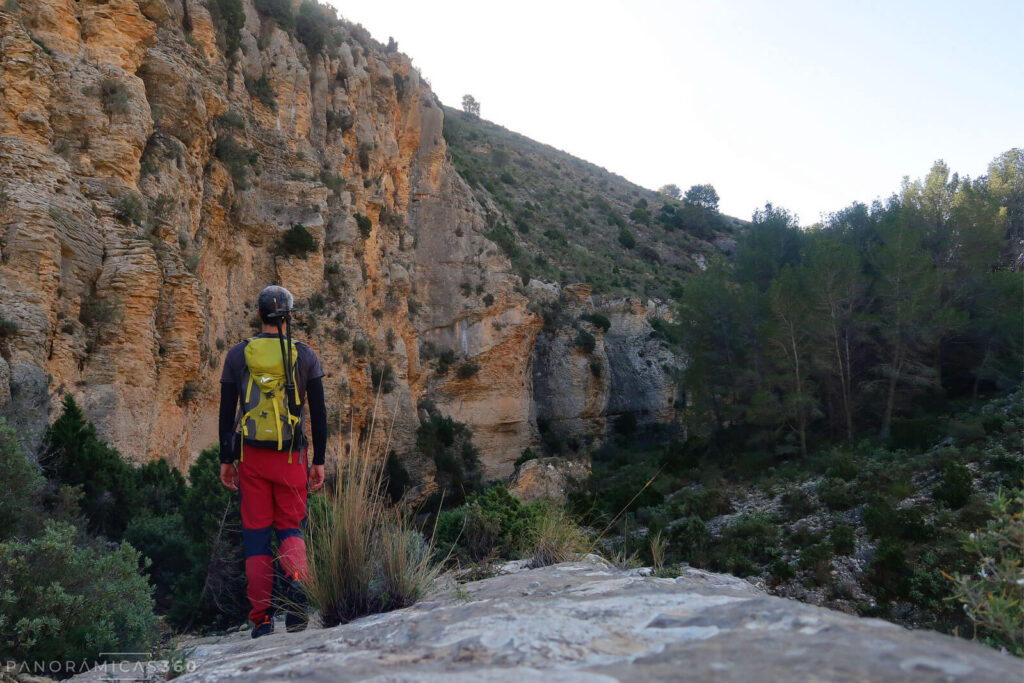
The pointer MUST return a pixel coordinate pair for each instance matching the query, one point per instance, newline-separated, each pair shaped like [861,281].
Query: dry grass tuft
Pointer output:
[365,555]
[557,538]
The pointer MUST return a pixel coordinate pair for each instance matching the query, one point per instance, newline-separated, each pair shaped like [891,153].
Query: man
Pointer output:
[272,472]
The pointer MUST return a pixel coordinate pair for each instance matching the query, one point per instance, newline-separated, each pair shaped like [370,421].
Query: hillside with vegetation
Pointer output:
[562,219]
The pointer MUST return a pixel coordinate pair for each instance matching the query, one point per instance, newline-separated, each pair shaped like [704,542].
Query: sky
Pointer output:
[808,105]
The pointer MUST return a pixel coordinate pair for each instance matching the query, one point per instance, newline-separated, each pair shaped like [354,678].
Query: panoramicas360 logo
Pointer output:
[123,665]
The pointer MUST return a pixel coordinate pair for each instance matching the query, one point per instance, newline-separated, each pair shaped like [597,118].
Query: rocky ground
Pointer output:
[586,621]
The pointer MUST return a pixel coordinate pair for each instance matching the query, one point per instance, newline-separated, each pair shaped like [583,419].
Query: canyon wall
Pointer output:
[148,183]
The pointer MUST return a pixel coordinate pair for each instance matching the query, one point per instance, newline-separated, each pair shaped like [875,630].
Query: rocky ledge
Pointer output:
[586,621]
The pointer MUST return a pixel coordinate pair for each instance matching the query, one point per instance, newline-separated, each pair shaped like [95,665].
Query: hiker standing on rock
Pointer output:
[274,378]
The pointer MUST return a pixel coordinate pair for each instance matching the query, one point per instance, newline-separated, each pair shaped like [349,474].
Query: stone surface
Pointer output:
[586,621]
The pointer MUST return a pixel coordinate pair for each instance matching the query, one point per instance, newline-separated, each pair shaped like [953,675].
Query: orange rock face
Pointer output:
[147,181]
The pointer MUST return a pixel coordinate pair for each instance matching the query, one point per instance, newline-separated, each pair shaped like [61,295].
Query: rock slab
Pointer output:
[587,621]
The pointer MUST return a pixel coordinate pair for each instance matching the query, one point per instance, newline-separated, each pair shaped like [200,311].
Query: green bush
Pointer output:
[229,18]
[747,543]
[365,225]
[236,158]
[312,26]
[993,594]
[585,341]
[382,376]
[61,602]
[130,208]
[114,96]
[261,90]
[843,539]
[818,559]
[162,539]
[467,370]
[450,445]
[490,524]
[8,328]
[598,320]
[297,241]
[22,486]
[837,494]
[212,594]
[111,494]
[626,238]
[956,486]
[888,572]
[689,537]
[278,10]
[527,455]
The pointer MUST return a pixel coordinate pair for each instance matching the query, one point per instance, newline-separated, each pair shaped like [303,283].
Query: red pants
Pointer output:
[273,497]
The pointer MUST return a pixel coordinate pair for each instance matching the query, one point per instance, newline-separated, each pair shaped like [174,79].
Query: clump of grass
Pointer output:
[557,537]
[365,556]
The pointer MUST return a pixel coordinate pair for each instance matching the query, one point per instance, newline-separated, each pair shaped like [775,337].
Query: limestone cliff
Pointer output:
[148,180]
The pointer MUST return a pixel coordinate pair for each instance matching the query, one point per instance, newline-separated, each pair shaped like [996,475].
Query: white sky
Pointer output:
[809,105]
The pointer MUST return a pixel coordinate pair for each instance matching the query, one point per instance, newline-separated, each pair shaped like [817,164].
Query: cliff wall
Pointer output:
[147,182]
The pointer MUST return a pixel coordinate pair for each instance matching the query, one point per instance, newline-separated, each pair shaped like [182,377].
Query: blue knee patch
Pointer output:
[287,533]
[256,541]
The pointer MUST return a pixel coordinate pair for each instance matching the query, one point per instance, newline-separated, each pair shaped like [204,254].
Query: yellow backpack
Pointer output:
[266,413]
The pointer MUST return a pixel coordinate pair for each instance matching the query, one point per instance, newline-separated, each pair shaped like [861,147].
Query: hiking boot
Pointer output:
[264,628]
[296,607]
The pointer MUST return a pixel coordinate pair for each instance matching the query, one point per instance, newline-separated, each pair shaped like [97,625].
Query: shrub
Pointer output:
[261,90]
[297,241]
[626,238]
[365,225]
[335,183]
[843,539]
[130,208]
[312,26]
[888,571]
[365,556]
[232,119]
[817,558]
[360,347]
[598,320]
[467,370]
[229,18]
[382,375]
[64,603]
[993,595]
[364,156]
[22,486]
[494,523]
[626,423]
[746,543]
[837,494]
[450,445]
[211,595]
[8,328]
[527,455]
[114,96]
[77,457]
[236,158]
[278,10]
[488,299]
[956,486]
[585,341]
[444,360]
[336,121]
[690,537]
